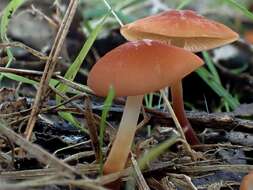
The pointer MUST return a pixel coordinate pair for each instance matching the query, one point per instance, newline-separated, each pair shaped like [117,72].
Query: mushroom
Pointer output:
[247,182]
[185,29]
[134,69]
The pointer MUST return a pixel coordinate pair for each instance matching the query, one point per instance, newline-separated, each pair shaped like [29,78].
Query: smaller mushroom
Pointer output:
[185,29]
[134,69]
[181,28]
[247,182]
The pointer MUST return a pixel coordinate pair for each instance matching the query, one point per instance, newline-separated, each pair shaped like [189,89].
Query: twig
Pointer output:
[93,130]
[232,168]
[182,181]
[34,52]
[139,177]
[71,146]
[43,110]
[25,72]
[74,85]
[79,155]
[50,65]
[228,145]
[94,168]
[48,19]
[36,151]
[178,126]
[66,101]
[226,121]
[36,173]
[53,180]
[22,71]
[173,115]
[146,119]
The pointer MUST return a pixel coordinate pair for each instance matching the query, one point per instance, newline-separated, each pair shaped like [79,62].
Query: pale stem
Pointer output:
[121,147]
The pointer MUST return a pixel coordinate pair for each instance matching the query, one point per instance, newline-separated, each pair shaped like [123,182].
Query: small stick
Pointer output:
[173,115]
[56,75]
[36,151]
[50,65]
[23,71]
[138,175]
[48,19]
[34,52]
[178,126]
[92,129]
[53,180]
[74,85]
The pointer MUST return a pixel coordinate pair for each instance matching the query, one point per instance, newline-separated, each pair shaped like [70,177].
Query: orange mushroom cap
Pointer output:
[182,28]
[140,67]
[247,182]
[248,36]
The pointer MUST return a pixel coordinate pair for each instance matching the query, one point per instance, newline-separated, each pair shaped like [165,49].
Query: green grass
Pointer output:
[72,71]
[240,7]
[6,17]
[96,9]
[105,111]
[19,78]
[153,153]
[25,80]
[9,10]
[217,88]
[212,78]
[183,4]
[74,68]
[211,67]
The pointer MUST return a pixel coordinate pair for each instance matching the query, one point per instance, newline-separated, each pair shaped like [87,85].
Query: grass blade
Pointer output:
[74,68]
[216,77]
[209,79]
[5,19]
[106,108]
[240,7]
[25,80]
[20,78]
[211,66]
[53,82]
[113,12]
[156,151]
[7,14]
[183,4]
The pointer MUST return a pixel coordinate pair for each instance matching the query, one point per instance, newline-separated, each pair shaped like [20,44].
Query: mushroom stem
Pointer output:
[121,147]
[247,182]
[178,107]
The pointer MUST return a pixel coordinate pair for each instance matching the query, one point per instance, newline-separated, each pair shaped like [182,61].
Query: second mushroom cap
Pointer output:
[182,28]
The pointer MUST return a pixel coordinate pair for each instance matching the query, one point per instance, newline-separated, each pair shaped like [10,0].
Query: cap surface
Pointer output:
[247,182]
[140,67]
[182,28]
